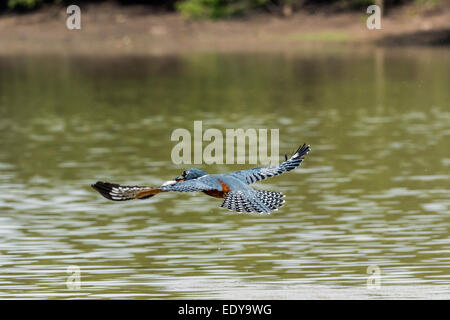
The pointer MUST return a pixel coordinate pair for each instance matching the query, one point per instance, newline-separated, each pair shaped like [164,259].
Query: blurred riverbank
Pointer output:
[109,29]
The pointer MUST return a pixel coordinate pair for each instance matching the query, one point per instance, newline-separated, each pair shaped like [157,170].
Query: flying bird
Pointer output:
[234,187]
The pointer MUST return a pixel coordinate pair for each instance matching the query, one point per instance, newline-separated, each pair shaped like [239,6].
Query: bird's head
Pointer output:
[191,174]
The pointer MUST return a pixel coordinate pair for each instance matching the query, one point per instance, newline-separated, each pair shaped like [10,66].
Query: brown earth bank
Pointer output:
[110,29]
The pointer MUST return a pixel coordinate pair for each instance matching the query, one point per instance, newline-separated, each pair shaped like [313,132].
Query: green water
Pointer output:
[373,191]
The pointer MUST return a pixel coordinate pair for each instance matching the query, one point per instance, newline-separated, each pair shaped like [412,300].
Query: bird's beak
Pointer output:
[180,178]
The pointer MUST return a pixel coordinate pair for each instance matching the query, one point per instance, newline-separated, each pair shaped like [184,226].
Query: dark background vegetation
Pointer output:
[215,8]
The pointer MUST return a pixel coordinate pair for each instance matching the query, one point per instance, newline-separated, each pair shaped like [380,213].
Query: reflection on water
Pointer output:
[373,191]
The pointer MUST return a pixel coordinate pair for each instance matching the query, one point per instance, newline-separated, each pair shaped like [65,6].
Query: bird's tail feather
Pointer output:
[118,192]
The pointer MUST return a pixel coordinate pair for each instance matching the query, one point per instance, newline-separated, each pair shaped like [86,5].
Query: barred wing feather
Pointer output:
[257,174]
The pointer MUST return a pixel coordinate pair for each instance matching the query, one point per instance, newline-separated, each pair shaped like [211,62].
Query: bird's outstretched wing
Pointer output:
[200,184]
[117,192]
[257,174]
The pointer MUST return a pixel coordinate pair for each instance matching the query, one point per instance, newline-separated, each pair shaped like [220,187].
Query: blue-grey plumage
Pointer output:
[233,187]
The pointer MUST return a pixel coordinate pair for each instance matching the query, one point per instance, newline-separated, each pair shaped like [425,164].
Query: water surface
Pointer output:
[373,191]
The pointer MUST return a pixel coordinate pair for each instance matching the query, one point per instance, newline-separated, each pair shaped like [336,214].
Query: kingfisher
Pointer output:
[233,187]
